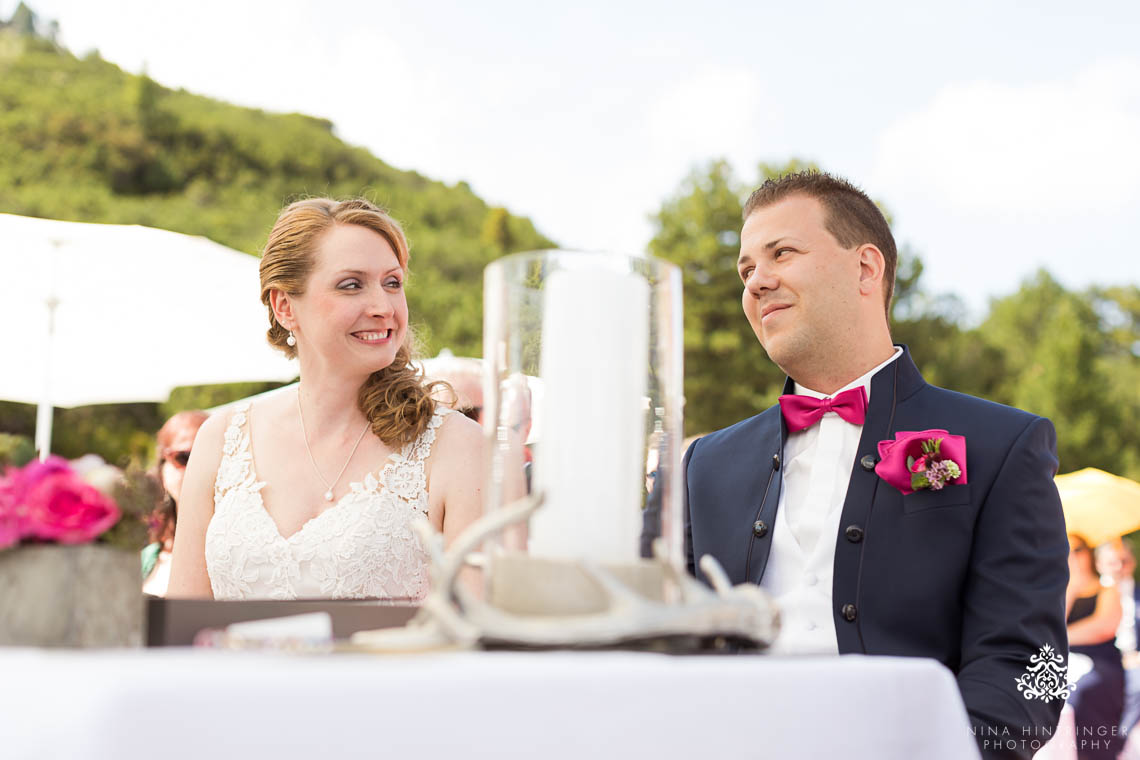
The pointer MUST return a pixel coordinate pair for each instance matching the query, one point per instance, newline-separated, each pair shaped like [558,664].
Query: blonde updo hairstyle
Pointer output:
[394,399]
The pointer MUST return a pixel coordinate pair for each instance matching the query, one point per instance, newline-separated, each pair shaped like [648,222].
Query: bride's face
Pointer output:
[353,314]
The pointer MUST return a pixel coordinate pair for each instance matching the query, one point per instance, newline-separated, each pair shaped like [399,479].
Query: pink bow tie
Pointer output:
[804,411]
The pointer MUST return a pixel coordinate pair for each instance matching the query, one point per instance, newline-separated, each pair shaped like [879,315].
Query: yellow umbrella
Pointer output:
[1098,505]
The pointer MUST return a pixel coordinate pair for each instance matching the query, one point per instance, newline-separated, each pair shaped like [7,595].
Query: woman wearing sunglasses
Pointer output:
[313,492]
[173,443]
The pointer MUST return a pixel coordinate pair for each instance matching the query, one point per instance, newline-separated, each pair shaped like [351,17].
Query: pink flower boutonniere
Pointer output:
[927,459]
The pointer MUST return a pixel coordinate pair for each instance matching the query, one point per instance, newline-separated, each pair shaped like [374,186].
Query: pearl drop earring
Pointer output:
[291,341]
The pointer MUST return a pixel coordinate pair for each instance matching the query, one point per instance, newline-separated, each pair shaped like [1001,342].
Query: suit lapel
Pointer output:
[764,519]
[891,385]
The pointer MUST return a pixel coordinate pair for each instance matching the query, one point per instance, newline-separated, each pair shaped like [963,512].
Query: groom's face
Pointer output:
[800,285]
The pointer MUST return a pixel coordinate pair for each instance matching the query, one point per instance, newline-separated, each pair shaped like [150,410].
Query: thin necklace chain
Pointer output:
[328,486]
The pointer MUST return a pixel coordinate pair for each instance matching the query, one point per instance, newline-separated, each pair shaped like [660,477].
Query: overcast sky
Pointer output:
[1003,136]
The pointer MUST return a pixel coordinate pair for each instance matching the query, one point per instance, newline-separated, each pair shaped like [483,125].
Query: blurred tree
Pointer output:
[497,229]
[119,433]
[15,451]
[1119,312]
[1065,356]
[930,326]
[24,21]
[144,93]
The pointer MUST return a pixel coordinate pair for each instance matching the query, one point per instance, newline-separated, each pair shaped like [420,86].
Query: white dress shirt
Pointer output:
[817,469]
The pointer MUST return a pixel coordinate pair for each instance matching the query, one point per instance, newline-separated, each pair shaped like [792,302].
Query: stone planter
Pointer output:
[70,596]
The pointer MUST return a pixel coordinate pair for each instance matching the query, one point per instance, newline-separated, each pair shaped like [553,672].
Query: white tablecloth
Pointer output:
[175,703]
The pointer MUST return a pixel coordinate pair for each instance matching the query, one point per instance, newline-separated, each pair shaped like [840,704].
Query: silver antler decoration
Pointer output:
[452,616]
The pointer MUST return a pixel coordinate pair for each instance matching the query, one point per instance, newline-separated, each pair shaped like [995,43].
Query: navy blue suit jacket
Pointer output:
[973,575]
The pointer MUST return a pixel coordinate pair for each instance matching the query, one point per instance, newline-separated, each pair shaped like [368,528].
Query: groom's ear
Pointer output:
[282,307]
[872,266]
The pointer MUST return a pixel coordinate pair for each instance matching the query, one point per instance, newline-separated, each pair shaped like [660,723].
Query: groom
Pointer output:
[947,542]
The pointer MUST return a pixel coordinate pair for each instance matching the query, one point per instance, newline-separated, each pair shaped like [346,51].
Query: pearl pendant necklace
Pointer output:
[328,486]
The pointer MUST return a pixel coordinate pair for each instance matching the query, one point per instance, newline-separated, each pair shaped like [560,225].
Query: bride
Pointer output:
[311,493]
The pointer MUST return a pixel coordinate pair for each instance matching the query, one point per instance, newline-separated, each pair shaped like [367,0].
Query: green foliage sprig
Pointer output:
[136,495]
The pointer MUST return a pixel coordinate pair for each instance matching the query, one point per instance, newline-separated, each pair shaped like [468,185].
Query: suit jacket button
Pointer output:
[850,613]
[775,461]
[868,462]
[759,529]
[854,533]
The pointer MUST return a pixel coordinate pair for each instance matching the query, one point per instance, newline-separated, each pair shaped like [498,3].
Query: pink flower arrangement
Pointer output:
[927,459]
[48,501]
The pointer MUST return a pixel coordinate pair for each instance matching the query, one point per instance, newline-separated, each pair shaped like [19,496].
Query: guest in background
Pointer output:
[651,515]
[174,442]
[1093,615]
[517,415]
[1116,564]
[465,376]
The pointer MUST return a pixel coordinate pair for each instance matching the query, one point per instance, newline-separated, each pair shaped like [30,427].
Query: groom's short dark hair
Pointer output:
[851,217]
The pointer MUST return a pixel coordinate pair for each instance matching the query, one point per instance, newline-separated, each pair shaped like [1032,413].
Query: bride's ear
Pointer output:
[282,307]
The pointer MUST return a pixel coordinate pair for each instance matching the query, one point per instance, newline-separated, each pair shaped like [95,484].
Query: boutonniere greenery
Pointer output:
[924,460]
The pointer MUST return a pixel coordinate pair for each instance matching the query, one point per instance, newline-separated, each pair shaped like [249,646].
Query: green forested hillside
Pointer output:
[82,140]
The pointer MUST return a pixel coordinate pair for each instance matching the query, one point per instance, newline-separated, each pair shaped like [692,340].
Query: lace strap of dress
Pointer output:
[236,467]
[420,449]
[404,475]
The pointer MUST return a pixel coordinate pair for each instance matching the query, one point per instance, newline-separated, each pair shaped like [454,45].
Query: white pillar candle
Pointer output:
[589,461]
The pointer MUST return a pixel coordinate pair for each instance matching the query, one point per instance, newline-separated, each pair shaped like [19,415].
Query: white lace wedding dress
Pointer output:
[362,546]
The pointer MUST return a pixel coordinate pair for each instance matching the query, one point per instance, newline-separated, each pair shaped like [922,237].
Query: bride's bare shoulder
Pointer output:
[267,411]
[209,437]
[458,443]
[457,435]
[274,408]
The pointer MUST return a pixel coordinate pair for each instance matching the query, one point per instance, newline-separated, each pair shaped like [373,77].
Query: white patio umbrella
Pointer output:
[103,313]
